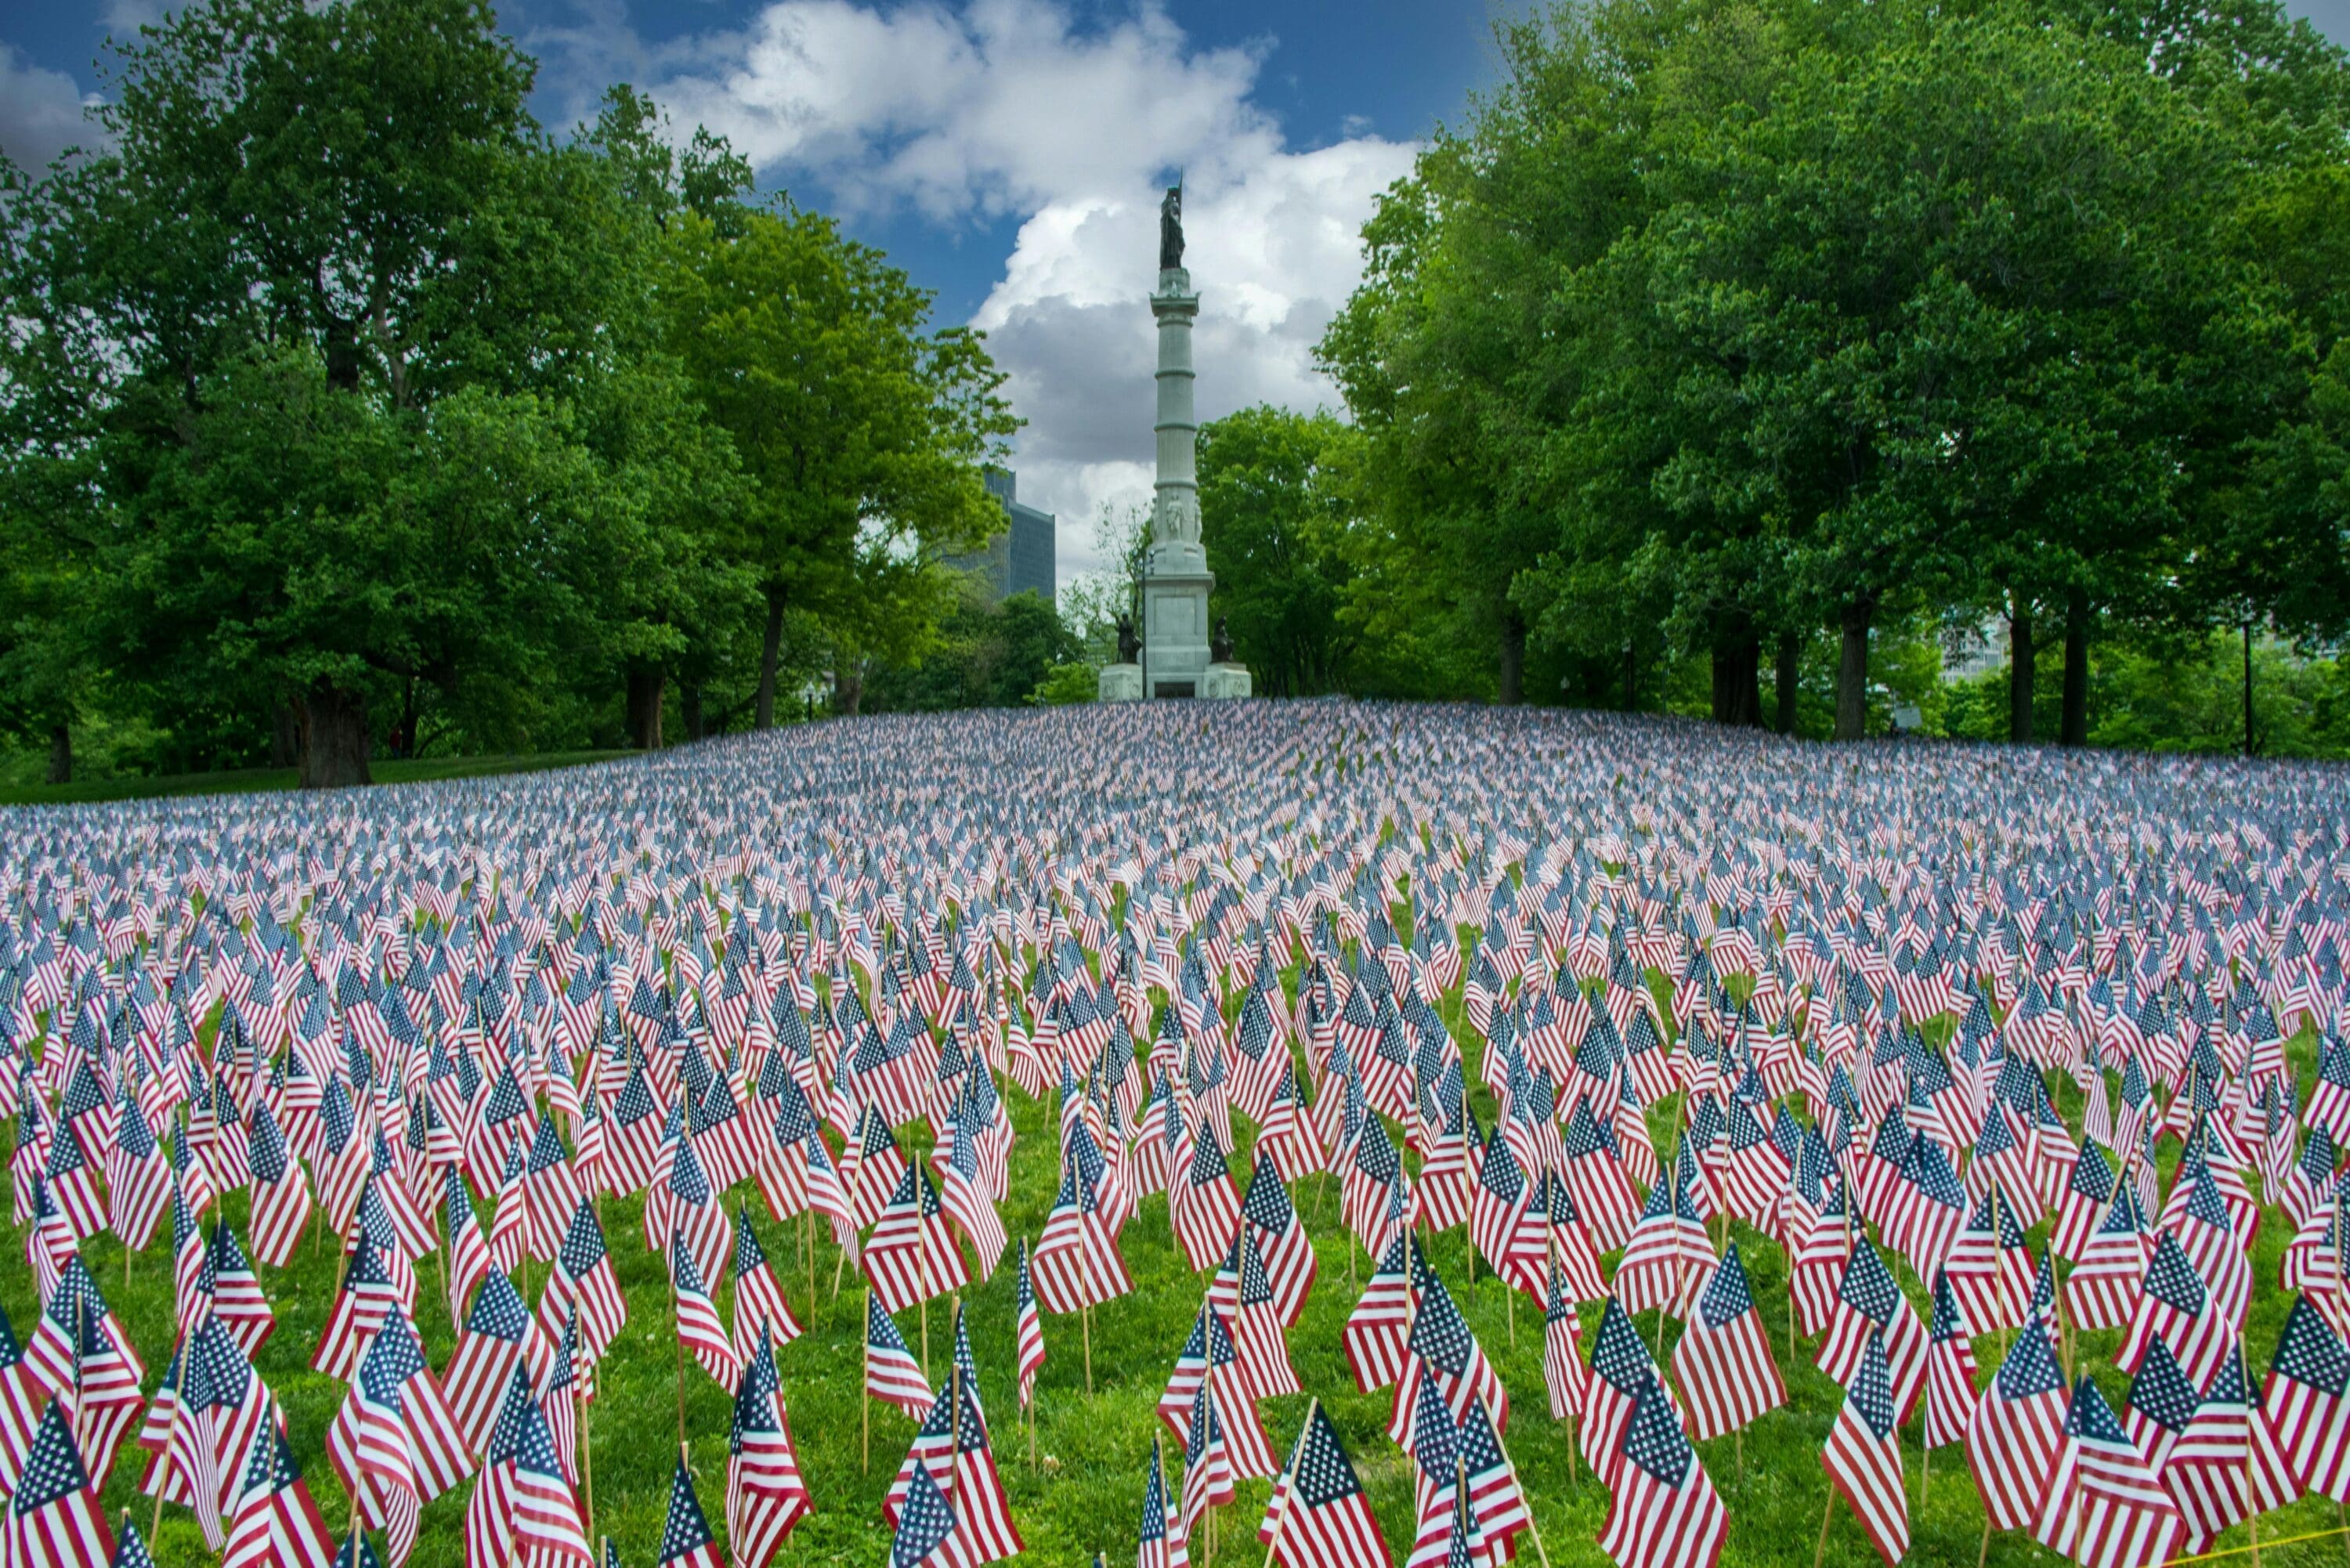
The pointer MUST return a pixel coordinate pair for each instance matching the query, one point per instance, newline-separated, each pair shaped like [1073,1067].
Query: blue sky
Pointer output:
[1007,154]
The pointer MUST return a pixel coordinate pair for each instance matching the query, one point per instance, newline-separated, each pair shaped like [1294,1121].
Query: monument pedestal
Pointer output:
[1175,586]
[1227,680]
[1120,684]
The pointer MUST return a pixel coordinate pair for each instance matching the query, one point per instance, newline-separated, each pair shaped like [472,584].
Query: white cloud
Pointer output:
[40,112]
[1010,106]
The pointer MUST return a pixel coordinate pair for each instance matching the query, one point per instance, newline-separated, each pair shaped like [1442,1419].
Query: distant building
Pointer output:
[1025,555]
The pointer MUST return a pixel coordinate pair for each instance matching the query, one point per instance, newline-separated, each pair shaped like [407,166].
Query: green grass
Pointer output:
[1087,1491]
[248,781]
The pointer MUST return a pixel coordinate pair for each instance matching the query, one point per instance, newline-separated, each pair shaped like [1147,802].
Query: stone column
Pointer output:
[1176,579]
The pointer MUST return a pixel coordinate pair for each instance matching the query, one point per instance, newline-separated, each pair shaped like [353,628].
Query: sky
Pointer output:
[1009,154]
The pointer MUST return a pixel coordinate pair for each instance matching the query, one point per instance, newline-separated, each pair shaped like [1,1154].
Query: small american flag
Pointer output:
[1319,1517]
[1161,1538]
[523,1509]
[2011,1441]
[1723,1359]
[1862,1457]
[2103,1507]
[686,1540]
[1029,1329]
[1665,1513]
[765,1495]
[53,1521]
[2308,1399]
[891,1374]
[2228,1464]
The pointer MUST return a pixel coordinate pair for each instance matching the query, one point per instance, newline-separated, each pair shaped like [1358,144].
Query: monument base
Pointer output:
[1120,684]
[1226,681]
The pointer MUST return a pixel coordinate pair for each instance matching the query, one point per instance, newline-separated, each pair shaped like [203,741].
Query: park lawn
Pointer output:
[1086,1492]
[249,781]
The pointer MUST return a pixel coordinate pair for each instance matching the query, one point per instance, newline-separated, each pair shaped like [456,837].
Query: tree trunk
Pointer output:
[61,750]
[847,686]
[1737,672]
[1513,658]
[1789,678]
[2250,741]
[693,720]
[2022,661]
[334,743]
[769,652]
[1852,671]
[284,736]
[646,688]
[2074,728]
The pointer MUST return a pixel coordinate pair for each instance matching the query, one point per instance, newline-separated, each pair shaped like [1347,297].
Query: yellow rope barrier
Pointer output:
[2264,1546]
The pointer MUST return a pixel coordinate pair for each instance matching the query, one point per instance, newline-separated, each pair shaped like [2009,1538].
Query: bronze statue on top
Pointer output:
[1171,229]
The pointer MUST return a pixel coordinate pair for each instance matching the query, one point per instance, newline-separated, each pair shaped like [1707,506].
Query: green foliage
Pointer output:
[346,410]
[987,655]
[1273,518]
[1718,320]
[1067,683]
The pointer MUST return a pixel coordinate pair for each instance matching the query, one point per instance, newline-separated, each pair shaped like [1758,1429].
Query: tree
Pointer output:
[330,282]
[1272,520]
[862,432]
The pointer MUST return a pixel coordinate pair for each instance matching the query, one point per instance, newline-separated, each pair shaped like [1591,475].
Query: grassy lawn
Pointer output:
[1085,1493]
[245,781]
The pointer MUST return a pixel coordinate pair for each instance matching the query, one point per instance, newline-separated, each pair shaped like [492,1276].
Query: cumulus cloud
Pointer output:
[40,112]
[1006,109]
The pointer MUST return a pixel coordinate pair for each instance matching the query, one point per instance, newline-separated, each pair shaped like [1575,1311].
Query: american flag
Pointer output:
[2175,1304]
[467,1256]
[1950,1393]
[2103,1507]
[891,1374]
[53,1519]
[1867,1298]
[951,1443]
[928,1534]
[1028,1327]
[1723,1359]
[523,1509]
[1442,1349]
[1665,1513]
[1077,1263]
[395,1441]
[274,1523]
[1161,1537]
[498,1340]
[2011,1441]
[1207,1459]
[1289,1260]
[1497,1502]
[1204,1207]
[583,1278]
[2161,1402]
[1863,1456]
[686,1540]
[368,1298]
[910,1257]
[2228,1464]
[1319,1516]
[759,1305]
[1564,1374]
[964,1197]
[765,1495]
[2308,1399]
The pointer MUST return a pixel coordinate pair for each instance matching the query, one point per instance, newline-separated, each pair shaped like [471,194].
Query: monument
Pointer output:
[1175,657]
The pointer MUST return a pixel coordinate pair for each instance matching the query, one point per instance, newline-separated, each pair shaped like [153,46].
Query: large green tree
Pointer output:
[1274,518]
[863,429]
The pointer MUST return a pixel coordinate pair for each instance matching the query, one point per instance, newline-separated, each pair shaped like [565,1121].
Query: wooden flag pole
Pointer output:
[170,1436]
[1086,1320]
[1827,1517]
[680,1390]
[1288,1472]
[587,1452]
[864,1393]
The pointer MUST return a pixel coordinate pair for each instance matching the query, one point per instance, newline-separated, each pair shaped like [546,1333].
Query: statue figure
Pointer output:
[1129,642]
[1220,642]
[1171,229]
